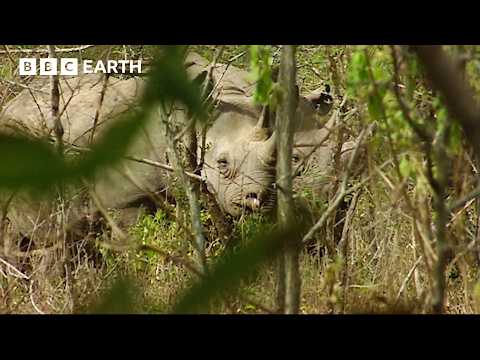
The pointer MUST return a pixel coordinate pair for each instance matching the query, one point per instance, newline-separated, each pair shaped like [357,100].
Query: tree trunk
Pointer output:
[190,190]
[285,212]
[58,130]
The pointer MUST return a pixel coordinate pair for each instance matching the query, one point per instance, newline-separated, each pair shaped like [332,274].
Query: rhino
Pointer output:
[239,161]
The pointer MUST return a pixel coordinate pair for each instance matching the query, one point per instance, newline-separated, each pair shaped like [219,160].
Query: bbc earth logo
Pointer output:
[71,66]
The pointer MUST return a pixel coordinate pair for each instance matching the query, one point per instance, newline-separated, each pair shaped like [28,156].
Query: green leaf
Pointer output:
[227,273]
[375,106]
[113,146]
[357,73]
[35,164]
[29,162]
[359,66]
[261,73]
[405,167]
[456,137]
[118,299]
[169,82]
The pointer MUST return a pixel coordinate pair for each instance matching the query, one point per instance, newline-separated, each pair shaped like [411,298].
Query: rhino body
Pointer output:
[239,166]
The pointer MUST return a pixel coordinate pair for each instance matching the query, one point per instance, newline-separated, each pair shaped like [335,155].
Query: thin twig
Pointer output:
[43,51]
[197,228]
[422,133]
[407,278]
[143,161]
[37,309]
[55,100]
[15,83]
[457,204]
[179,261]
[343,191]
[16,273]
[99,106]
[458,94]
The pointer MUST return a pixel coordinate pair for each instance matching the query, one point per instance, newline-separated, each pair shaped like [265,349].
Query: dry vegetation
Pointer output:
[389,237]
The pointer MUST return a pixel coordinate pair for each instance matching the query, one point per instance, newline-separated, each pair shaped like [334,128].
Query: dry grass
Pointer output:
[381,256]
[384,270]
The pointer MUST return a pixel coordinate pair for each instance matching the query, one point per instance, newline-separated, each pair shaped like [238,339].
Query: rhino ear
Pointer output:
[321,100]
[200,79]
[268,116]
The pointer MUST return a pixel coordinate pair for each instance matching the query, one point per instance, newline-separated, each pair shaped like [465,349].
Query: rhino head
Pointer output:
[240,163]
[239,166]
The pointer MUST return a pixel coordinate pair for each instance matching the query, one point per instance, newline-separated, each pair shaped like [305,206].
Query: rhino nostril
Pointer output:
[252,201]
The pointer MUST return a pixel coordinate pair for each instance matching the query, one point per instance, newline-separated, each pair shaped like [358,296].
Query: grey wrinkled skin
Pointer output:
[239,163]
[240,166]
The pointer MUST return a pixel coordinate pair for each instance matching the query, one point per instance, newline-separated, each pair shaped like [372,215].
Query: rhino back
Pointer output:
[30,110]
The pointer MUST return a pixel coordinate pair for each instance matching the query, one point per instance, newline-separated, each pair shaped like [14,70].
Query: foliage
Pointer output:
[225,276]
[35,165]
[261,73]
[391,226]
[118,299]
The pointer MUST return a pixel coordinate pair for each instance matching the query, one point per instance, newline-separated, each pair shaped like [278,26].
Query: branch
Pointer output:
[23,86]
[461,202]
[285,208]
[12,270]
[144,161]
[343,191]
[179,261]
[422,133]
[196,223]
[55,101]
[164,167]
[457,94]
[407,278]
[43,51]
[99,106]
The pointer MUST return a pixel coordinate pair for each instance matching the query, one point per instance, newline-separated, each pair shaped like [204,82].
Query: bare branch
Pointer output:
[37,309]
[13,271]
[343,191]
[285,208]
[192,195]
[23,86]
[55,101]
[99,106]
[145,161]
[164,167]
[422,133]
[407,278]
[457,94]
[181,262]
[43,51]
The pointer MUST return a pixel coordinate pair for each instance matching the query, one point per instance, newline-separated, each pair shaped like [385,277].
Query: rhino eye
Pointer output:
[295,158]
[222,163]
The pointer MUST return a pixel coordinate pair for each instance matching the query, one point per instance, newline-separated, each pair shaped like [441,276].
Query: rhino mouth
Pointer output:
[254,203]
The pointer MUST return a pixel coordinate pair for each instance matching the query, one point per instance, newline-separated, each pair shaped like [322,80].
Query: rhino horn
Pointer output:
[263,120]
[270,144]
[261,130]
